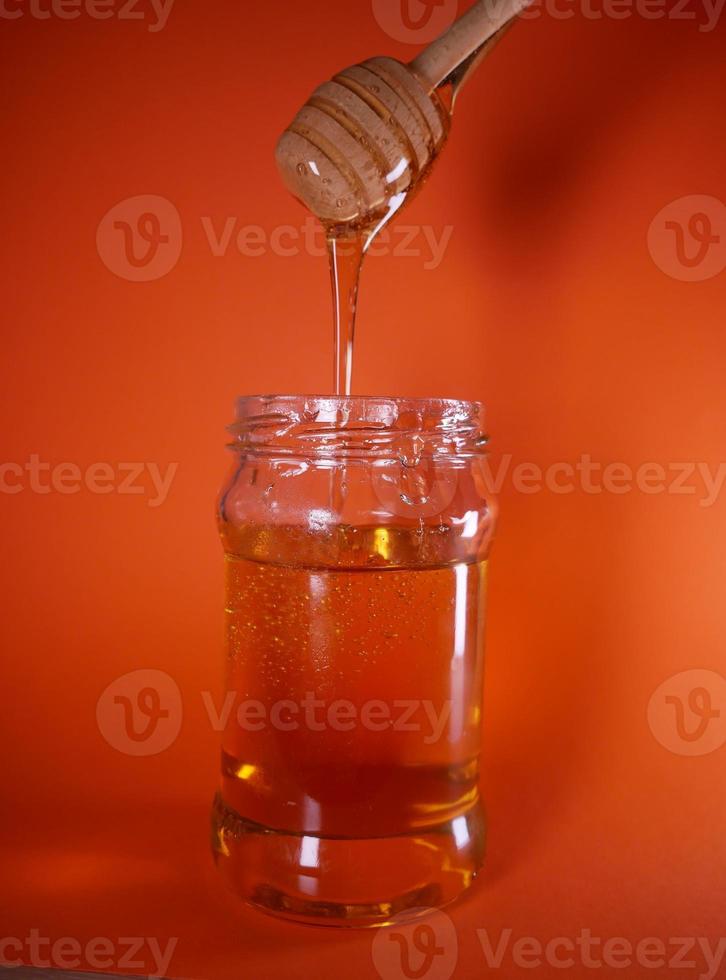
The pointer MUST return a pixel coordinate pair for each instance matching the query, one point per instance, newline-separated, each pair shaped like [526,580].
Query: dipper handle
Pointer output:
[454,56]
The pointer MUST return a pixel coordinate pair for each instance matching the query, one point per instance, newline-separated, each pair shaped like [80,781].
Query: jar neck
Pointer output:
[365,426]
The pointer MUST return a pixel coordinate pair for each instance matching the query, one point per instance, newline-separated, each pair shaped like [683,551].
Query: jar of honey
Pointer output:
[356,533]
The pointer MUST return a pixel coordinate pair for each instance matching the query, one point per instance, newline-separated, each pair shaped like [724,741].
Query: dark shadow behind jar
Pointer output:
[356,534]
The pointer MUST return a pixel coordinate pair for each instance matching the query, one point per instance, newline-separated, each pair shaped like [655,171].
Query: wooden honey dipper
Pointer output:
[365,140]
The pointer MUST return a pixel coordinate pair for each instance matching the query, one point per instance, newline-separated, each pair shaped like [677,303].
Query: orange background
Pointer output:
[547,306]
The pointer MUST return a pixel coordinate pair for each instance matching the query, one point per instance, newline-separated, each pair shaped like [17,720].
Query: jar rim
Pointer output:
[348,424]
[434,404]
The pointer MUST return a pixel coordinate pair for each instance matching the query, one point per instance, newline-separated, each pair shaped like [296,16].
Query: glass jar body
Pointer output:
[356,535]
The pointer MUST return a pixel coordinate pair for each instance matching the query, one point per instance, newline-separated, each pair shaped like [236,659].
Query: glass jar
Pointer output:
[356,534]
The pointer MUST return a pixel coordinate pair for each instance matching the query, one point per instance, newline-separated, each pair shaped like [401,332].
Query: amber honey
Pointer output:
[350,760]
